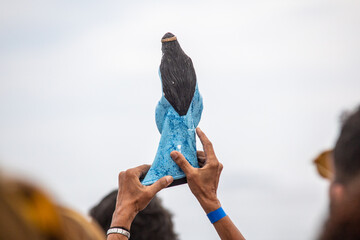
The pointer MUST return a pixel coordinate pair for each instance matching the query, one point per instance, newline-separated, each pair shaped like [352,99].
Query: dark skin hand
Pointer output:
[203,183]
[133,197]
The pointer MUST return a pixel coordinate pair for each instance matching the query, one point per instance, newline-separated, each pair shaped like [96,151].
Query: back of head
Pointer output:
[104,210]
[152,223]
[347,150]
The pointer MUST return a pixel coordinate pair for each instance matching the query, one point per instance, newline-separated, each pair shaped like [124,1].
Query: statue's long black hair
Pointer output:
[178,75]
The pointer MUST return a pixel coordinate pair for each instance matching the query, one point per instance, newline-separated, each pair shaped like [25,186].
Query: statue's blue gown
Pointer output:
[177,133]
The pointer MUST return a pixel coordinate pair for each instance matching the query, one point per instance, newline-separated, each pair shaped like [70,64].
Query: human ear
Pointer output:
[336,192]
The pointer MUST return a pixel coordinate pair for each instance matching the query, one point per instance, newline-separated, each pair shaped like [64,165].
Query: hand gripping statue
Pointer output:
[177,114]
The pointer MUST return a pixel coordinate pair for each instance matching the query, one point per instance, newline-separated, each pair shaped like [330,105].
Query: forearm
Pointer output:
[121,218]
[225,228]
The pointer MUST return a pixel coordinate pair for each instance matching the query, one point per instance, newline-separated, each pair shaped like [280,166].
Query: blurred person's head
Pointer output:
[154,222]
[76,226]
[346,157]
[27,213]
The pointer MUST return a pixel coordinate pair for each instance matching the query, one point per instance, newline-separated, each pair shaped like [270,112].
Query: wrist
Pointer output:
[123,217]
[216,215]
[209,204]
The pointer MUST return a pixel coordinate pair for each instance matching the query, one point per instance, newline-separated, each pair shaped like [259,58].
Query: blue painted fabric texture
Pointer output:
[177,133]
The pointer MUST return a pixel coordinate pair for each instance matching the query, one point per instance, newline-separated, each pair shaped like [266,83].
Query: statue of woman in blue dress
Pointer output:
[177,114]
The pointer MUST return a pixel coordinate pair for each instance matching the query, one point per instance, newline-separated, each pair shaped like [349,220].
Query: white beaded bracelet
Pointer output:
[119,231]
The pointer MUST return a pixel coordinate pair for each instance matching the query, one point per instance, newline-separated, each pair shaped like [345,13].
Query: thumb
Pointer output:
[181,161]
[160,184]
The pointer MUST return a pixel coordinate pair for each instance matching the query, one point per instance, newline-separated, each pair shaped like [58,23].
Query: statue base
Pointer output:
[173,184]
[178,182]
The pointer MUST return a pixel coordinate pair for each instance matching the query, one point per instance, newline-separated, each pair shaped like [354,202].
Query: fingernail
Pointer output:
[174,155]
[169,179]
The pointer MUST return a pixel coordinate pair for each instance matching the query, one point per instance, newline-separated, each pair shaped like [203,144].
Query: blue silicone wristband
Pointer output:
[216,215]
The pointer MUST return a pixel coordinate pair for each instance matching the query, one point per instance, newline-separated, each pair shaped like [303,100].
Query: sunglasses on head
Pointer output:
[324,164]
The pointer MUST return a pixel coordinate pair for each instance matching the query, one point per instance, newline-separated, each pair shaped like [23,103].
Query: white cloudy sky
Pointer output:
[79,86]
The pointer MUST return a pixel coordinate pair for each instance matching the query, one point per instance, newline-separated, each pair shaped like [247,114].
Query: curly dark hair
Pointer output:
[152,223]
[347,150]
[177,75]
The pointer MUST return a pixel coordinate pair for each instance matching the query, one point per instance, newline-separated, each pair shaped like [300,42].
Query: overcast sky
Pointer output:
[79,85]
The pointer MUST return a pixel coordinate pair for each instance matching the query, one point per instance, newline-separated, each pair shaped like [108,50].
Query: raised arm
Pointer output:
[203,183]
[133,197]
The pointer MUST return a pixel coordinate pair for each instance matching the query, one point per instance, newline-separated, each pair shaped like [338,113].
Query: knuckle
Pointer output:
[144,167]
[213,164]
[121,174]
[221,166]
[129,173]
